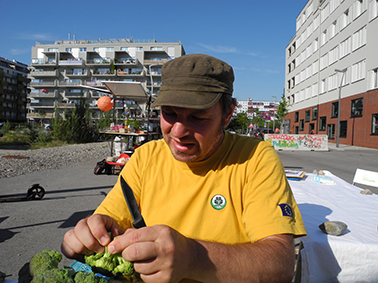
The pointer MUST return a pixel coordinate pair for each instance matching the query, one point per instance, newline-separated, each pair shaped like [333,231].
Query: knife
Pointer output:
[132,205]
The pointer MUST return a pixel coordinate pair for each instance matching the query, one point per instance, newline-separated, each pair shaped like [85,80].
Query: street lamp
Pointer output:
[274,113]
[339,107]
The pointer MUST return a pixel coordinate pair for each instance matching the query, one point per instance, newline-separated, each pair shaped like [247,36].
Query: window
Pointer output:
[331,131]
[345,19]
[324,61]
[374,79]
[335,109]
[311,128]
[373,9]
[358,8]
[124,49]
[139,49]
[53,49]
[96,49]
[359,38]
[323,86]
[332,29]
[333,55]
[322,123]
[296,116]
[343,129]
[69,49]
[307,116]
[345,47]
[314,113]
[296,130]
[324,37]
[374,124]
[83,49]
[356,107]
[109,49]
[301,125]
[358,71]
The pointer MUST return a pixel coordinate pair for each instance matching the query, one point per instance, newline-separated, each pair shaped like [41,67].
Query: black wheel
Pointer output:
[36,192]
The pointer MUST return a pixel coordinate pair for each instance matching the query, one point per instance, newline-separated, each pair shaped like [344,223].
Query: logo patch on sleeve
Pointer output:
[286,210]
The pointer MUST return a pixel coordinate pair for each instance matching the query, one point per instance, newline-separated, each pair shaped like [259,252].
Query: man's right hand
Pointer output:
[89,235]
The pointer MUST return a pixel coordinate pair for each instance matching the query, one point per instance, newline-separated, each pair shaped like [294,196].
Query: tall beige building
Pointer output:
[59,69]
[332,57]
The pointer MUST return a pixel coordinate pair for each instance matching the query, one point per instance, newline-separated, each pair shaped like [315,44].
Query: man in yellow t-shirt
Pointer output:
[218,207]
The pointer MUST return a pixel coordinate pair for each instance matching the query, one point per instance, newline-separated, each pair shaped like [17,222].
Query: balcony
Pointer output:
[155,61]
[72,73]
[69,83]
[44,73]
[39,116]
[43,104]
[125,61]
[43,84]
[76,94]
[43,94]
[79,62]
[99,61]
[103,72]
[43,62]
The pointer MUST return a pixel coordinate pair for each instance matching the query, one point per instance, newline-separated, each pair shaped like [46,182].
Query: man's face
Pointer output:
[193,135]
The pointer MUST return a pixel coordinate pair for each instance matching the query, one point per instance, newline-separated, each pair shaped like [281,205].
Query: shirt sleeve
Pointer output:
[268,200]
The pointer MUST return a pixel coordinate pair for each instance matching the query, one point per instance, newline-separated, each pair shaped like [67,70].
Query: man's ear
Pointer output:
[229,116]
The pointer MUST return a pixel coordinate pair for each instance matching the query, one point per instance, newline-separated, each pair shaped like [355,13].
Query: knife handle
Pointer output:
[139,223]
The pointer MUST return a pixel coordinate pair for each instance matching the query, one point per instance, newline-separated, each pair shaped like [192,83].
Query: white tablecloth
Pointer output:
[351,257]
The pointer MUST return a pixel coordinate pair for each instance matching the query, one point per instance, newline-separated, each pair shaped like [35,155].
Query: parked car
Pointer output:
[262,132]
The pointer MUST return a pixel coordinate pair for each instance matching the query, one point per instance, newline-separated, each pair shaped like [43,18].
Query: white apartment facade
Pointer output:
[265,108]
[334,54]
[58,69]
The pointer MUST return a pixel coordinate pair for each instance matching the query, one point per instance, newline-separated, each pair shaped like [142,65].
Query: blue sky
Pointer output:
[250,35]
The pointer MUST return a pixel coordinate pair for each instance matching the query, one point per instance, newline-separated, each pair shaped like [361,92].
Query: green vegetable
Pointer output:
[55,275]
[110,264]
[86,277]
[44,261]
[106,263]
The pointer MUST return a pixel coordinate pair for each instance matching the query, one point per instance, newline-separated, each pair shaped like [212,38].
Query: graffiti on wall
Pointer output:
[298,142]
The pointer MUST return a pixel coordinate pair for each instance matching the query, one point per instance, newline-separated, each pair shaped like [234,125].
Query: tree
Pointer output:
[283,109]
[239,123]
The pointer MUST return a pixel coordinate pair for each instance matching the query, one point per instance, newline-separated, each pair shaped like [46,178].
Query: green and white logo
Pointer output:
[218,202]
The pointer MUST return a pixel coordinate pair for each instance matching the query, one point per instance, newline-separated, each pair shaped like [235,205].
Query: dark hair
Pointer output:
[227,102]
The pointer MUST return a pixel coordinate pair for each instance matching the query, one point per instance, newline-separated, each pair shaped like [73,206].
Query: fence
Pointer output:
[298,142]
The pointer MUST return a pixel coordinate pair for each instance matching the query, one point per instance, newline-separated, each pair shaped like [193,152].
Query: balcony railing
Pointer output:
[35,94]
[71,62]
[44,73]
[37,115]
[155,61]
[67,83]
[49,83]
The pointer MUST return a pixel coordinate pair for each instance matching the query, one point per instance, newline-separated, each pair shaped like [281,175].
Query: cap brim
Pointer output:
[194,100]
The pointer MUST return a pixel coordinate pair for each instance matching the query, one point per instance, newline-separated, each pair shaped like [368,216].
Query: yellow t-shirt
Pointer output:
[238,195]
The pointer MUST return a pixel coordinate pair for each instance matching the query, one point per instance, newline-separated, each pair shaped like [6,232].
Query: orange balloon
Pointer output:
[105,103]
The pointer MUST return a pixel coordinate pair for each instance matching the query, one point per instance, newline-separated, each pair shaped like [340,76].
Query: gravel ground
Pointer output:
[20,162]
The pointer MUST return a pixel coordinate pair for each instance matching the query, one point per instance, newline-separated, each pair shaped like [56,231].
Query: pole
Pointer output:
[339,106]
[274,113]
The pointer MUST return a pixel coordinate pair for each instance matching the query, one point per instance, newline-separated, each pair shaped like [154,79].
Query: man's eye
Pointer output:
[198,118]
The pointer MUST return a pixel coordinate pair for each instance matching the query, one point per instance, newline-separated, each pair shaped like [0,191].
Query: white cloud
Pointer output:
[219,48]
[16,51]
[34,36]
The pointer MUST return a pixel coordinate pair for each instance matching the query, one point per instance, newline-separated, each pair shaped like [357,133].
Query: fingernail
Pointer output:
[111,249]
[104,240]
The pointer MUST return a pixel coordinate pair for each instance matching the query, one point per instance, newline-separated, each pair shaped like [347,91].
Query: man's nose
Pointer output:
[180,129]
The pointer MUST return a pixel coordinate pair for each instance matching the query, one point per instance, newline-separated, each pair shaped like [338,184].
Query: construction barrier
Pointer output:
[298,142]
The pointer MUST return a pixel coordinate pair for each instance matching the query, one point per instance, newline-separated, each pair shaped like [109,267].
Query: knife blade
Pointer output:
[132,205]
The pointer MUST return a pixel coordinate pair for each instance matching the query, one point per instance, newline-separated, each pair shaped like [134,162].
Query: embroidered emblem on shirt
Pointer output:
[218,202]
[286,210]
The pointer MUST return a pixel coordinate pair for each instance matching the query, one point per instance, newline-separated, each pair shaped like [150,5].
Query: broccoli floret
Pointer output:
[59,275]
[108,264]
[44,261]
[86,277]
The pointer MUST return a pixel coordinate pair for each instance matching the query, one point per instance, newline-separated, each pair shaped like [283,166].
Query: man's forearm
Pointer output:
[268,260]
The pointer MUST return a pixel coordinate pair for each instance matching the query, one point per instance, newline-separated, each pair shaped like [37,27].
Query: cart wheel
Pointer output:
[35,192]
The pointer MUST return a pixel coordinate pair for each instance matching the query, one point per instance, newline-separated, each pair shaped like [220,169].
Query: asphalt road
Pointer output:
[342,161]
[72,193]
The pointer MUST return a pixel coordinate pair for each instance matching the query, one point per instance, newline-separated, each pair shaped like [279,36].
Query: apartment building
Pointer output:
[266,109]
[331,72]
[60,68]
[13,91]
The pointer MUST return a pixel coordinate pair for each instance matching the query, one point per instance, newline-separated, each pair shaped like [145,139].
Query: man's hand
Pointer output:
[89,235]
[159,253]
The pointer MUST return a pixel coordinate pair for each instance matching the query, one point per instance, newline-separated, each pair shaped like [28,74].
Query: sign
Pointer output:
[298,142]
